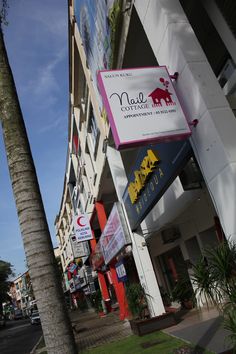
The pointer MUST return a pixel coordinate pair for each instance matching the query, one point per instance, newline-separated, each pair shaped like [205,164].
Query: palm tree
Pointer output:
[38,247]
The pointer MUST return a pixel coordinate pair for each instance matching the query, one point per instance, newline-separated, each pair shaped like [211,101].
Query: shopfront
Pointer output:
[112,245]
[173,208]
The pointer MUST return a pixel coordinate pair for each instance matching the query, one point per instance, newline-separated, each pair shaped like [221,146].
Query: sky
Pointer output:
[37,44]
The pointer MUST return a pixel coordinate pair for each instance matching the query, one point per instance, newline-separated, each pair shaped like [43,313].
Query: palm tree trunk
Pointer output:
[38,247]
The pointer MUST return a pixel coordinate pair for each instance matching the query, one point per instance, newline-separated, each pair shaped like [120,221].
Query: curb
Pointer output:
[33,351]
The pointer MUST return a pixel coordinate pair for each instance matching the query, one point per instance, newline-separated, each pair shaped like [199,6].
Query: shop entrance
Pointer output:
[173,267]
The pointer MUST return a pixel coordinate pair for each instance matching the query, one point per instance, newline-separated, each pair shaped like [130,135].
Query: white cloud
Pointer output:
[46,82]
[56,123]
[41,44]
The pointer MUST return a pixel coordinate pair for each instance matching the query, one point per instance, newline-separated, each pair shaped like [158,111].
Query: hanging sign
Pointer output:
[72,285]
[155,168]
[82,228]
[80,249]
[97,259]
[121,272]
[115,235]
[143,98]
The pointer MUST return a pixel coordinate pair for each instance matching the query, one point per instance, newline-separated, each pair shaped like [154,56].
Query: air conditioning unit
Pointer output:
[170,235]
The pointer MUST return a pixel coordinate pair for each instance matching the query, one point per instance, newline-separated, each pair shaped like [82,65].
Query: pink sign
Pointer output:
[142,106]
[115,234]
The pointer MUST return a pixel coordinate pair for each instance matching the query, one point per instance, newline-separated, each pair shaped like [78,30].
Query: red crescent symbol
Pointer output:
[79,222]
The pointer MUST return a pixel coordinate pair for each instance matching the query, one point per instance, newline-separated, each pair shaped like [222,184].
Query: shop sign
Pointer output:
[115,234]
[79,249]
[77,284]
[142,106]
[72,285]
[82,228]
[155,169]
[72,268]
[82,277]
[121,272]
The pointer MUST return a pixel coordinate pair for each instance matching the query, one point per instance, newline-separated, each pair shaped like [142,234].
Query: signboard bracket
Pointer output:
[175,76]
[194,123]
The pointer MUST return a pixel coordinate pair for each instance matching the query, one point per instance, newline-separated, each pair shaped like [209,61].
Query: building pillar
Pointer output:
[101,277]
[120,293]
[140,251]
[118,287]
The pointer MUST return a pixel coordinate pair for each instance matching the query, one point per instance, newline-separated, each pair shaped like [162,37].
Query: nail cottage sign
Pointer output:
[142,106]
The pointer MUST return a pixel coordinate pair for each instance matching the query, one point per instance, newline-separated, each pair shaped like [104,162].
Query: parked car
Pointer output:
[34,318]
[18,314]
[2,321]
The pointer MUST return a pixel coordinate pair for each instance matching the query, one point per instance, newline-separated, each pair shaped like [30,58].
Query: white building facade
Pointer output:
[195,207]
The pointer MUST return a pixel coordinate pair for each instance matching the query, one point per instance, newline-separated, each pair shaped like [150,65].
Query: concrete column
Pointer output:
[118,286]
[101,277]
[140,251]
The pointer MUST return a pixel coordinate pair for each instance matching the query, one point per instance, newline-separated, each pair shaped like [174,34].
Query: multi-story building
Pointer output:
[188,200]
[21,293]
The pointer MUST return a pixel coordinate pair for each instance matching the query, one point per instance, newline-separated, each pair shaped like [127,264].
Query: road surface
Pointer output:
[19,337]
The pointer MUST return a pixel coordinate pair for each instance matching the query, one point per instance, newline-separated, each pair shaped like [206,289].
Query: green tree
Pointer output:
[37,242]
[5,272]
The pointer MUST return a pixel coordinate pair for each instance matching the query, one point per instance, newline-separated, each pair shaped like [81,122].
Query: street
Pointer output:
[19,337]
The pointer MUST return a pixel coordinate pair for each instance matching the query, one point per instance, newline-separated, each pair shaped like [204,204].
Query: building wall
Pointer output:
[164,38]
[213,140]
[197,218]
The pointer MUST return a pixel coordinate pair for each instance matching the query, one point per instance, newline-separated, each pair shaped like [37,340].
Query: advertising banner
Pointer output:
[97,258]
[143,98]
[97,22]
[115,234]
[82,228]
[154,170]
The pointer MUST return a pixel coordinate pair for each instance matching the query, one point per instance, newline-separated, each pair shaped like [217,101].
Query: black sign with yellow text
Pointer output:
[155,169]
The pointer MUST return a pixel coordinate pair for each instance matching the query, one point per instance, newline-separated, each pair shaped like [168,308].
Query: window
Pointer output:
[209,238]
[93,132]
[213,22]
[80,88]
[190,176]
[75,140]
[138,53]
[206,33]
[193,249]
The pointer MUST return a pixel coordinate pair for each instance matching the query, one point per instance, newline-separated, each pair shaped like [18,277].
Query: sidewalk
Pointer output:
[90,330]
[202,328]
